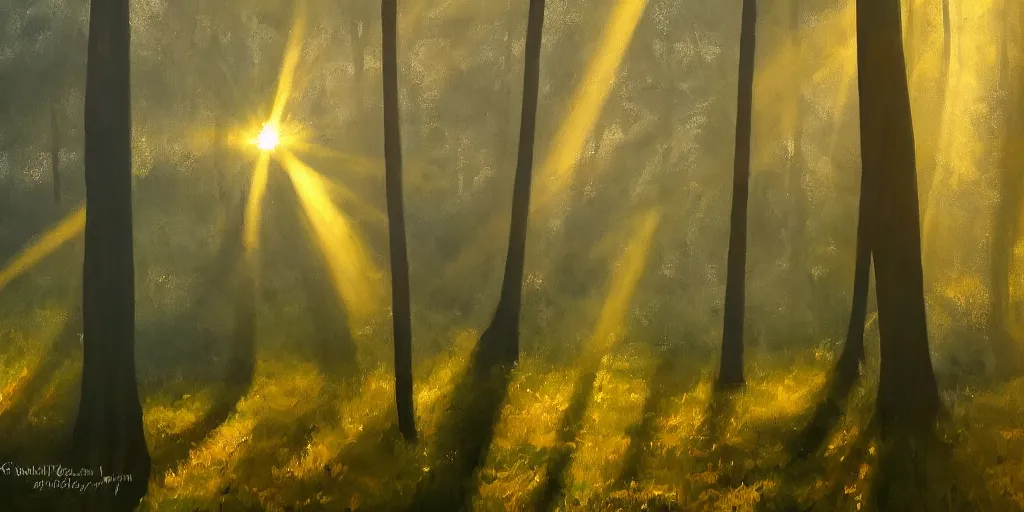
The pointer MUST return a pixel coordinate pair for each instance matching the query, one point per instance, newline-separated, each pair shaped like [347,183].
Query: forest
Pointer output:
[613,255]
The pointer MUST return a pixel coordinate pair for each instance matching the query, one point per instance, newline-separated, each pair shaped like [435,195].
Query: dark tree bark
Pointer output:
[730,374]
[500,341]
[853,349]
[400,295]
[907,392]
[108,432]
[55,154]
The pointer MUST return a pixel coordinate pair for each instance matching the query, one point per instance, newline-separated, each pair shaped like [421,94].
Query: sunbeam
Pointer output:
[68,228]
[351,268]
[624,279]
[556,173]
[291,60]
[253,204]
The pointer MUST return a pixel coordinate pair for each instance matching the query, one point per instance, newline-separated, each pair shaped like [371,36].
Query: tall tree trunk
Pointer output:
[400,295]
[798,267]
[853,349]
[500,341]
[55,153]
[731,371]
[108,431]
[907,392]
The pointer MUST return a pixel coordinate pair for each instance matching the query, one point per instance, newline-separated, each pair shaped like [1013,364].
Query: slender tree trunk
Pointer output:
[108,432]
[400,294]
[853,349]
[798,266]
[907,392]
[55,154]
[507,122]
[731,371]
[500,340]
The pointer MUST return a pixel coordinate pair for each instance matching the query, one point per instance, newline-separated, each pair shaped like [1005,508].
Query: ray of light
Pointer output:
[623,394]
[339,190]
[257,189]
[624,279]
[538,416]
[556,173]
[48,323]
[352,271]
[362,164]
[68,228]
[291,60]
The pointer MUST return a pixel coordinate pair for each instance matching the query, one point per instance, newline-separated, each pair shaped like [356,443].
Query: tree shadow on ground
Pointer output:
[673,375]
[551,491]
[273,442]
[839,474]
[712,445]
[21,438]
[464,436]
[334,348]
[36,428]
[827,413]
[229,271]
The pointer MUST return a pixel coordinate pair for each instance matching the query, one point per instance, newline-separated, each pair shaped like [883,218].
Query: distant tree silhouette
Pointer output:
[108,431]
[907,391]
[500,341]
[730,374]
[1007,228]
[400,294]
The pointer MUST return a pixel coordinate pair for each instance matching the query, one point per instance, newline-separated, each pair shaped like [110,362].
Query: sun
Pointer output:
[268,139]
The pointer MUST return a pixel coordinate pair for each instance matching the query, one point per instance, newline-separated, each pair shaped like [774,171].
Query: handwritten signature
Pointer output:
[57,476]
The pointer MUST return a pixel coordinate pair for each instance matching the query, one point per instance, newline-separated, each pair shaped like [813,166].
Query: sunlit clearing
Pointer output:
[352,271]
[257,189]
[68,228]
[284,392]
[268,138]
[588,100]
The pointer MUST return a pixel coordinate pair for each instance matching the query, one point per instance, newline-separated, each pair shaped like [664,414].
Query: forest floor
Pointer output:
[638,428]
[641,430]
